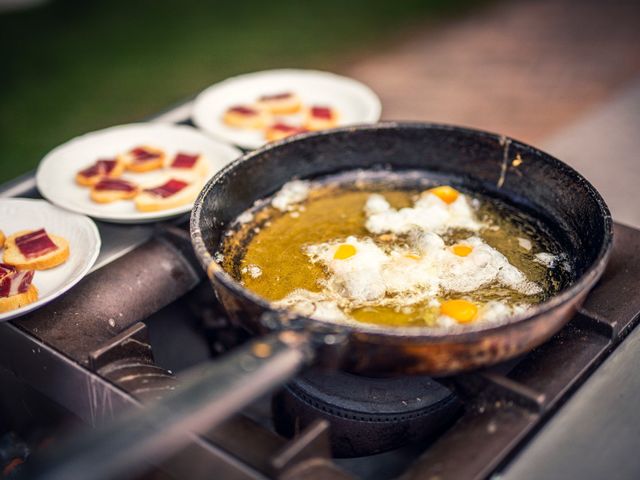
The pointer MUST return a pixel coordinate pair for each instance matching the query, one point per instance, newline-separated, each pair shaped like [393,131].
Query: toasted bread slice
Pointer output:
[13,256]
[147,201]
[112,190]
[104,168]
[244,116]
[285,103]
[321,118]
[143,158]
[19,300]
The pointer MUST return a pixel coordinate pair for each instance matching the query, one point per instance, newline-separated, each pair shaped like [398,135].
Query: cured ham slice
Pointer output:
[245,116]
[244,111]
[171,187]
[189,166]
[282,130]
[102,168]
[115,184]
[111,189]
[173,193]
[322,112]
[142,154]
[35,244]
[277,96]
[282,103]
[184,160]
[143,158]
[320,117]
[14,281]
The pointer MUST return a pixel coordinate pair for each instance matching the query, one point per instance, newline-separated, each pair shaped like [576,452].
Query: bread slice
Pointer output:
[147,201]
[104,168]
[285,103]
[244,116]
[13,256]
[135,160]
[19,300]
[112,190]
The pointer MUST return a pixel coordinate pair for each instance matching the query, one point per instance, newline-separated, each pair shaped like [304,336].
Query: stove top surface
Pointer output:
[553,413]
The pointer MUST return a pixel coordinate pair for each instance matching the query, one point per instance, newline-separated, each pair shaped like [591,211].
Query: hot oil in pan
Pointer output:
[275,243]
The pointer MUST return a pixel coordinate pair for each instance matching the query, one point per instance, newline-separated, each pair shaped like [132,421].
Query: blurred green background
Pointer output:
[69,67]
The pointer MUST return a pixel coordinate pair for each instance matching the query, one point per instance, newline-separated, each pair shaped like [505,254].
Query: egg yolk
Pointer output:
[344,251]
[462,250]
[445,193]
[460,310]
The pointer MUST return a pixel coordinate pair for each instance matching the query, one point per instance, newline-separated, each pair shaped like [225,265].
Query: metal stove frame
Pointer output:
[95,341]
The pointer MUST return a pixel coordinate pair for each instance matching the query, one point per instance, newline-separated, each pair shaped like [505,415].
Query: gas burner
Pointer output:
[366,415]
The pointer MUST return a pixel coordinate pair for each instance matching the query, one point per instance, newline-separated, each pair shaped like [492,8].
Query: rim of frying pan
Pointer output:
[584,282]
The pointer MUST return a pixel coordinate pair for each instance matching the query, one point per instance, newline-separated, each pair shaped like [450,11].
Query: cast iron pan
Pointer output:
[541,185]
[544,187]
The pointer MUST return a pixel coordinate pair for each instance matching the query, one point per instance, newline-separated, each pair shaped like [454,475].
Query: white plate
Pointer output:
[355,102]
[84,244]
[57,170]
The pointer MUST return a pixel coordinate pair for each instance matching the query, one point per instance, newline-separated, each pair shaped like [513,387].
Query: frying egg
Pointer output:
[463,311]
[360,273]
[355,268]
[460,311]
[292,192]
[416,271]
[462,249]
[495,311]
[437,210]
[445,193]
[480,265]
[312,304]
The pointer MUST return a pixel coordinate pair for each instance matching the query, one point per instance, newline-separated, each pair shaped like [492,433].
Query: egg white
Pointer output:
[429,213]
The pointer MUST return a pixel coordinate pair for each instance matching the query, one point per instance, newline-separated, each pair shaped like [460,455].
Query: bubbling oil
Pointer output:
[276,242]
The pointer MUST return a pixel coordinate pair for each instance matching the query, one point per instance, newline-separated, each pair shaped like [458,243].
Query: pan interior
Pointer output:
[274,241]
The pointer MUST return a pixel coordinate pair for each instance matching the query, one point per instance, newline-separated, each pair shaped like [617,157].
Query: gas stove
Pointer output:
[123,336]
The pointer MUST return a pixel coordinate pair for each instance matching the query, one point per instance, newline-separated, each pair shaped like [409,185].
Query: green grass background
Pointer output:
[69,67]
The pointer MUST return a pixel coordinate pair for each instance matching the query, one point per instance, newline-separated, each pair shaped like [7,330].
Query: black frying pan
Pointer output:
[542,186]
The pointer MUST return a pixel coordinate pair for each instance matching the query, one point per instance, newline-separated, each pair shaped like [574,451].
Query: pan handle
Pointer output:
[207,395]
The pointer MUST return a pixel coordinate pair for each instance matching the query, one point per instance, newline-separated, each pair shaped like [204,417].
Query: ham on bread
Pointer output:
[89,176]
[173,193]
[16,289]
[110,190]
[35,250]
[244,116]
[284,103]
[279,130]
[190,164]
[143,158]
[321,117]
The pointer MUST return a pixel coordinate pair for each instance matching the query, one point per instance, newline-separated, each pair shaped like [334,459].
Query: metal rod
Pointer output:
[209,394]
